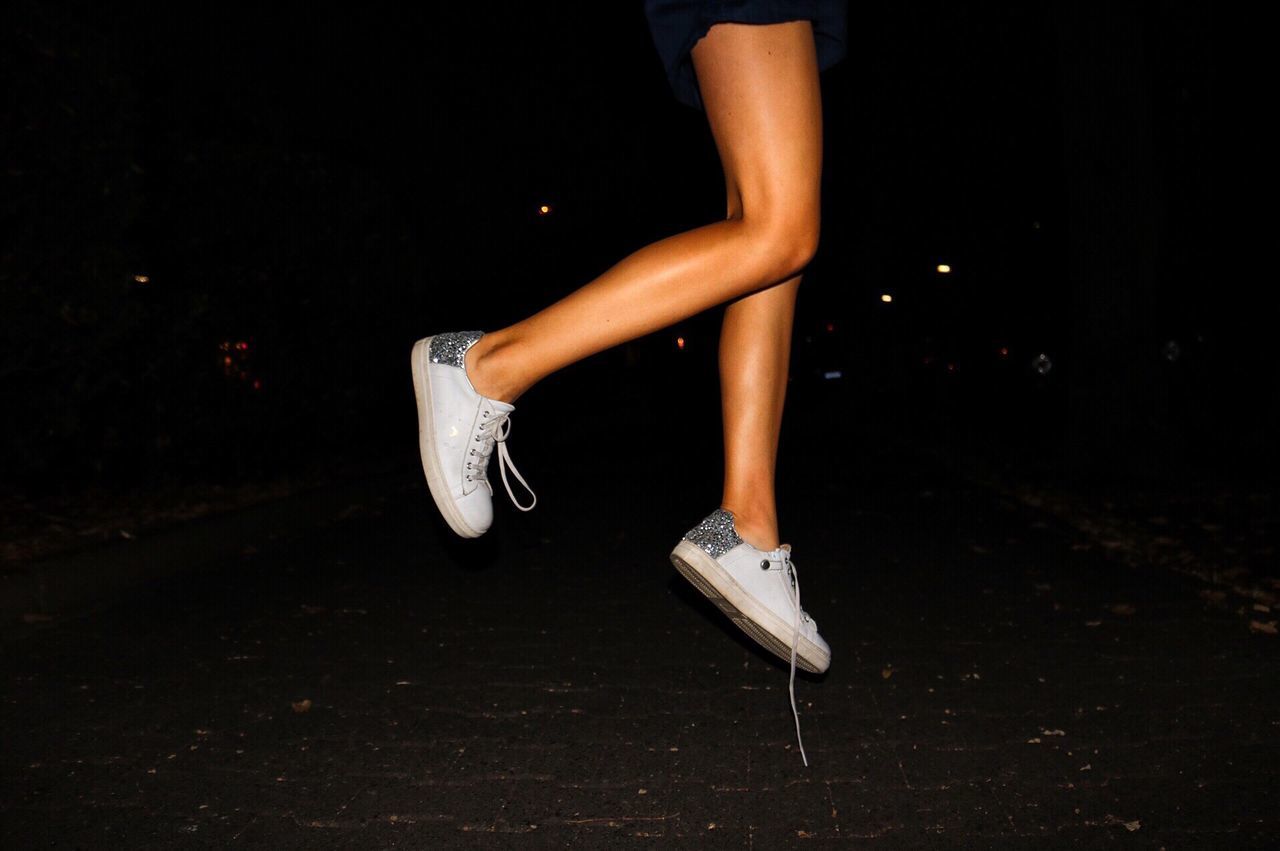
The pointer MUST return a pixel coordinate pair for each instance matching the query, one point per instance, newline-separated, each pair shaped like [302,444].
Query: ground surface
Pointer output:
[996,681]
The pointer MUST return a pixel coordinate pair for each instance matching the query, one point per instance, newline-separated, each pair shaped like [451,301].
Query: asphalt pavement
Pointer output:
[374,682]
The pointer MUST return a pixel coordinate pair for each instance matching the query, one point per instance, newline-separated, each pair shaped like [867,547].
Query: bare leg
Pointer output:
[755,347]
[760,88]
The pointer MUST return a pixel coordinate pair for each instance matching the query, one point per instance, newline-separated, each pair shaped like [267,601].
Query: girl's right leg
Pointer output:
[760,90]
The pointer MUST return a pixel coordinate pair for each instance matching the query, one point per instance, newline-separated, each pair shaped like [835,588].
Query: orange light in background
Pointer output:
[679,342]
[544,209]
[257,384]
[1004,351]
[944,269]
[951,367]
[886,298]
[142,279]
[227,360]
[225,345]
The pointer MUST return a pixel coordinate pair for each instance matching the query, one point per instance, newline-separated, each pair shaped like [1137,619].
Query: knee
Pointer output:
[788,240]
[801,243]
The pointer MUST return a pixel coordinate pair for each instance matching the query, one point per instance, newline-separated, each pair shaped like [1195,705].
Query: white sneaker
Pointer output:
[457,430]
[755,588]
[759,592]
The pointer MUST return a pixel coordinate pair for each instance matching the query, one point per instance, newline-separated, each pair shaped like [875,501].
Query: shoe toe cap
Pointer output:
[477,509]
[825,651]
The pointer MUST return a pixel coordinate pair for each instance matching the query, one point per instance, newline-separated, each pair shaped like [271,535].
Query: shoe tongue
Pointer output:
[504,407]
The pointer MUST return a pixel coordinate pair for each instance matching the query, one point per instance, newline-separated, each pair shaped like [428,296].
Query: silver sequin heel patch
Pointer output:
[715,534]
[451,347]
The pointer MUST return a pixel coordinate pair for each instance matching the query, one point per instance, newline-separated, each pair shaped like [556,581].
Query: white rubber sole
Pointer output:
[427,442]
[766,628]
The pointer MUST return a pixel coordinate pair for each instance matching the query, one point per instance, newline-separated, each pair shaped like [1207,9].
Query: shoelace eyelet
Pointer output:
[764,565]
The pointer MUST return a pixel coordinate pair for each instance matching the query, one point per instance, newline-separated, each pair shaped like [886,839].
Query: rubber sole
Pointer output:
[427,439]
[764,627]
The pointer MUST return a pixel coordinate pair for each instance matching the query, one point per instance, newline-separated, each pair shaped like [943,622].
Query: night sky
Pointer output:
[308,189]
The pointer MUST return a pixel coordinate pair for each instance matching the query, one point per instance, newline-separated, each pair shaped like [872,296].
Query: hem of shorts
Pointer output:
[685,71]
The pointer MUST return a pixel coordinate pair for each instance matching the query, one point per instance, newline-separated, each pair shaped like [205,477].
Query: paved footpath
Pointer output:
[380,684]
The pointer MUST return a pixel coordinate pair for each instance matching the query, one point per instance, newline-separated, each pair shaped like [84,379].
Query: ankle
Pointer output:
[485,365]
[759,529]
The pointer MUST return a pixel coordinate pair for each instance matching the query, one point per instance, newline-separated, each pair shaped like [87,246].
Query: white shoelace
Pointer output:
[491,433]
[784,554]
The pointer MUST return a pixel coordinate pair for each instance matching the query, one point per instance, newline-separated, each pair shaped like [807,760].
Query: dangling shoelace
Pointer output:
[491,433]
[783,553]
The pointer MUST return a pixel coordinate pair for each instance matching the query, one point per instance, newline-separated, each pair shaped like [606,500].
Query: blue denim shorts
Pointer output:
[678,24]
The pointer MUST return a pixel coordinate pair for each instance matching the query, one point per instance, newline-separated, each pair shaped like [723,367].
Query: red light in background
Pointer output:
[831,326]
[1004,351]
[679,342]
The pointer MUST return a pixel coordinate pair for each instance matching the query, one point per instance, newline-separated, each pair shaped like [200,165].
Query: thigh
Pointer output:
[759,85]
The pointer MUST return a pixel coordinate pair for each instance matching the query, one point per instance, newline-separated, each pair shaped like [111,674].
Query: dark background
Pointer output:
[222,229]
